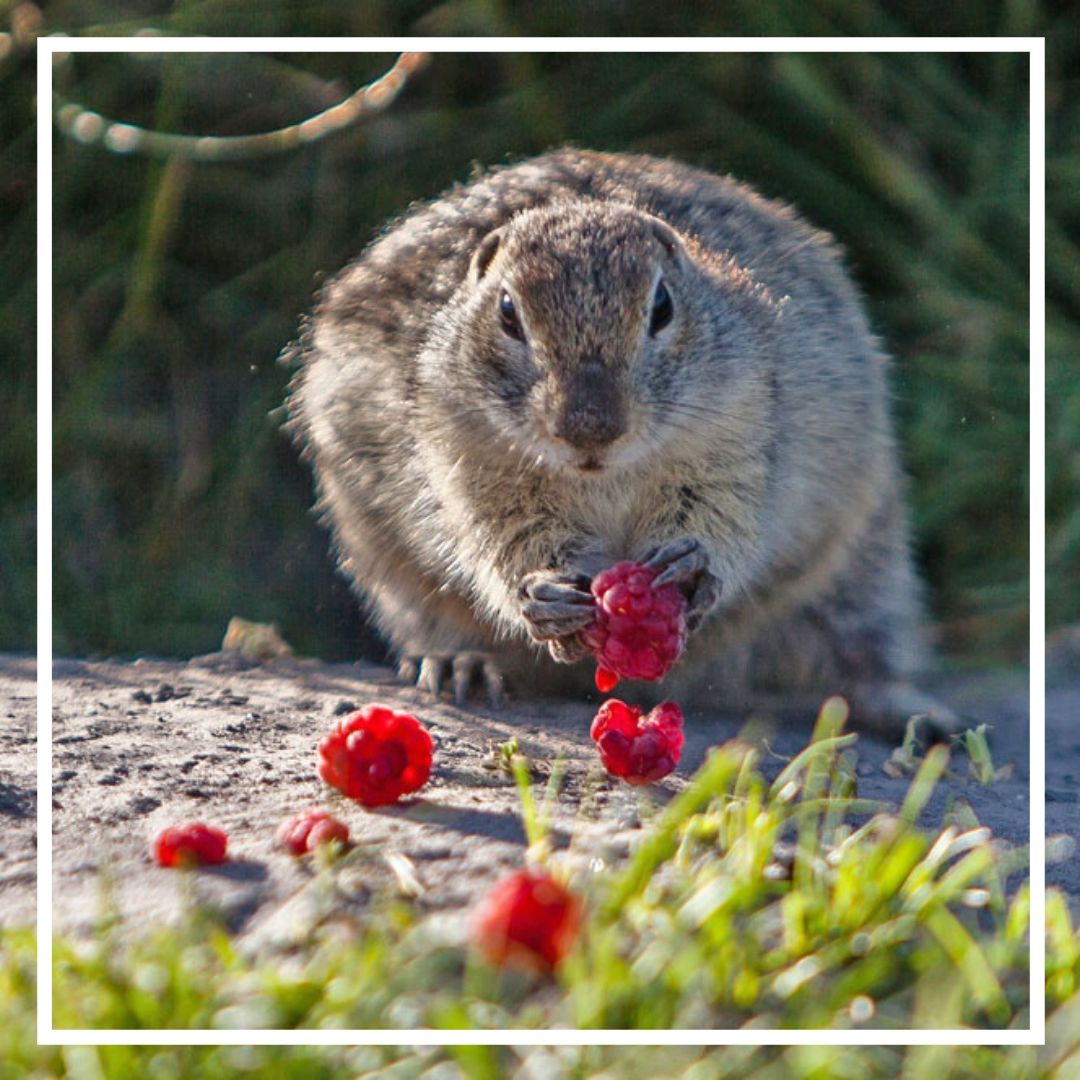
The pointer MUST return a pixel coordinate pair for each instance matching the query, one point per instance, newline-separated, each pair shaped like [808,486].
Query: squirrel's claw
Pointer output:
[428,672]
[679,561]
[567,650]
[467,667]
[685,562]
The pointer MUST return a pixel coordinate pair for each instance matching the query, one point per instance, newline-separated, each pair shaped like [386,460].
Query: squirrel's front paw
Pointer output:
[685,562]
[555,607]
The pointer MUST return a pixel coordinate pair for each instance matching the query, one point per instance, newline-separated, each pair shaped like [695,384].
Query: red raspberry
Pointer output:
[307,831]
[639,630]
[190,844]
[376,755]
[528,920]
[639,750]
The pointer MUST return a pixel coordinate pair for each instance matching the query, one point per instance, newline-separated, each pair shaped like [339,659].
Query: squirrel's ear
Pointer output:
[668,240]
[483,255]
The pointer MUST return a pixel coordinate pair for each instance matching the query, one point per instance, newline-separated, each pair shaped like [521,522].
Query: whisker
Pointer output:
[695,408]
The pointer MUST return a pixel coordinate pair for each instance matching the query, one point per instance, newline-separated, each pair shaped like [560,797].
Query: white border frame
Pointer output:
[1035,1035]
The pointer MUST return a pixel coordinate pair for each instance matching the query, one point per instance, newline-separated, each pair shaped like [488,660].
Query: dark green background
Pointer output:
[178,502]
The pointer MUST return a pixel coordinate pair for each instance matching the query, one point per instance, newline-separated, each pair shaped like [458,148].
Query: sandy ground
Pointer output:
[138,746]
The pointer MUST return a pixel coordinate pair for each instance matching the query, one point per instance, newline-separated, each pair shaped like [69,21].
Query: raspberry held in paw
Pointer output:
[190,844]
[527,920]
[638,749]
[376,755]
[307,831]
[639,630]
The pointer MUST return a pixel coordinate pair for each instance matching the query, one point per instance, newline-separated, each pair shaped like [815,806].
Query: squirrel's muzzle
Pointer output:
[591,410]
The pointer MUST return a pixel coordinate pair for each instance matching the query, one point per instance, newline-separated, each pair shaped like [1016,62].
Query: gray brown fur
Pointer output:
[474,482]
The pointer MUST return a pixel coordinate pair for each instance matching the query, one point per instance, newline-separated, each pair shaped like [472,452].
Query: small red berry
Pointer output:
[639,630]
[376,755]
[638,749]
[307,831]
[528,920]
[606,681]
[190,844]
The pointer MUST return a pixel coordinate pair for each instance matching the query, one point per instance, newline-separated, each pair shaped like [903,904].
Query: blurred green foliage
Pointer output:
[177,502]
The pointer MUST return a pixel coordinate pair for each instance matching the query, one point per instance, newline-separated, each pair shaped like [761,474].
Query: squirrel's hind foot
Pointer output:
[460,671]
[887,707]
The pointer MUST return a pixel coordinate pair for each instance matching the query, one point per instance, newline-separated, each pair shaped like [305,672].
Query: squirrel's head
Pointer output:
[579,317]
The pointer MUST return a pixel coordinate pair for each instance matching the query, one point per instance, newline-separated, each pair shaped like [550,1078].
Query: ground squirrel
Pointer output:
[587,357]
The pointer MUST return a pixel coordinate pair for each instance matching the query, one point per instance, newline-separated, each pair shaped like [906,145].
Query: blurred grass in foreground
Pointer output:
[178,505]
[1059,1058]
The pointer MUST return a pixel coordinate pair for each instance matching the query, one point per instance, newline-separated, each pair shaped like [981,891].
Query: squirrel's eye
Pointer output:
[508,317]
[661,309]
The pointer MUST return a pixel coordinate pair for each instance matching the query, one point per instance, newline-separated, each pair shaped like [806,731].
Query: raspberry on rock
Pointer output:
[307,831]
[638,749]
[528,920]
[639,631]
[190,844]
[376,755]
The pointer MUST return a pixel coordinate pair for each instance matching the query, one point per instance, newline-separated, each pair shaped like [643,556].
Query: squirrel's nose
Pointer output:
[592,411]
